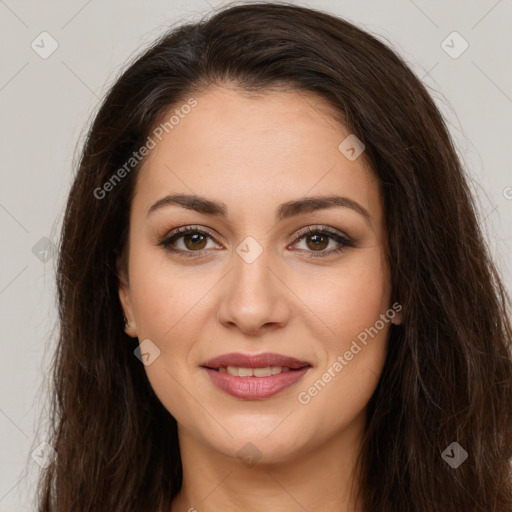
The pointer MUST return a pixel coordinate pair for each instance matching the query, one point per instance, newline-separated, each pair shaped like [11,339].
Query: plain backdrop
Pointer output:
[47,103]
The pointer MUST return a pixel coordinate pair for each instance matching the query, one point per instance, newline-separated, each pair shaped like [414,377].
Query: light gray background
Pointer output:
[45,105]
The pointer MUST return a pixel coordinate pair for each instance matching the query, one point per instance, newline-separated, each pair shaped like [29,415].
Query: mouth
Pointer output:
[255,377]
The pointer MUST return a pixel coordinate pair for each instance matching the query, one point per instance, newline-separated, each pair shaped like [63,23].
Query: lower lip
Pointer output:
[255,388]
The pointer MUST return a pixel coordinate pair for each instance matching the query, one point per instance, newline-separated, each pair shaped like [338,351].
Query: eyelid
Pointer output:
[296,235]
[319,228]
[186,228]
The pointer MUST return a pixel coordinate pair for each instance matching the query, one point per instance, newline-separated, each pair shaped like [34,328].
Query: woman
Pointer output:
[274,292]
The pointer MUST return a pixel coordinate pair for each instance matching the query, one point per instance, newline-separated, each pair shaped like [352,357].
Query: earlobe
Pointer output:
[125,299]
[397,319]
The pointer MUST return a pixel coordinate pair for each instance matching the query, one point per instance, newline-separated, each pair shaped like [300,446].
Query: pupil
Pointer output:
[195,239]
[317,241]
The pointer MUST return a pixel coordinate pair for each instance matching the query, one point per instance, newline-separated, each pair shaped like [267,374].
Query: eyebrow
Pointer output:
[284,211]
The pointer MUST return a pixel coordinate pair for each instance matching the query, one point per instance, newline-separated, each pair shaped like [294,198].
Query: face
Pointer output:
[308,280]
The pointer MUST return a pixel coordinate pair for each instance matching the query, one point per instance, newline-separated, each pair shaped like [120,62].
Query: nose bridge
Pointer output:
[254,297]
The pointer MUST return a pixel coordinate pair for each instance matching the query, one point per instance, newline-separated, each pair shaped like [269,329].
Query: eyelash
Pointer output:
[167,241]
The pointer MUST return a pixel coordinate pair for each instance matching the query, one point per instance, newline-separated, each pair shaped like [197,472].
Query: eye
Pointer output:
[187,241]
[318,238]
[190,241]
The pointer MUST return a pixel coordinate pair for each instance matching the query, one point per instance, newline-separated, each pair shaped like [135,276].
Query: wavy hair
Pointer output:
[448,372]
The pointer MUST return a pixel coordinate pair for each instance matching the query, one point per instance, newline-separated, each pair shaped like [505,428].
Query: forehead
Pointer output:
[275,146]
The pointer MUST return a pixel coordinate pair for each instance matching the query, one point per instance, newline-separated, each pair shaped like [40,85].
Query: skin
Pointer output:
[253,153]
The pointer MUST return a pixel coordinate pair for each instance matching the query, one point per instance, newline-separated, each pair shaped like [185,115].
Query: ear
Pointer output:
[125,298]
[397,319]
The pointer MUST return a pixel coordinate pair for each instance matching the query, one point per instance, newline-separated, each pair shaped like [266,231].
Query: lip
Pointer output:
[254,361]
[255,388]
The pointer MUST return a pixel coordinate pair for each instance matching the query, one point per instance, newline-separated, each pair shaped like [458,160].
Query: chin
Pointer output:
[254,446]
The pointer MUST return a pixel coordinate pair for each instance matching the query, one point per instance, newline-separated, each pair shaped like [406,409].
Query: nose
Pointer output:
[255,298]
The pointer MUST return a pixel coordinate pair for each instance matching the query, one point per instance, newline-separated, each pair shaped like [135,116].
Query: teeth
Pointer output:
[244,372]
[254,372]
[262,372]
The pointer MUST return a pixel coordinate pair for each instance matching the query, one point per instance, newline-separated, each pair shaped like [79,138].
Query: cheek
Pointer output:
[354,343]
[353,357]
[166,306]
[350,298]
[162,295]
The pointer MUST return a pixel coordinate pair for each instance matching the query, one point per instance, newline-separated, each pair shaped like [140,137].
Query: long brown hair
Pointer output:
[448,373]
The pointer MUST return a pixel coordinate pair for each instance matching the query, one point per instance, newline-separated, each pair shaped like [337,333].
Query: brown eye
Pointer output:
[318,241]
[194,241]
[187,241]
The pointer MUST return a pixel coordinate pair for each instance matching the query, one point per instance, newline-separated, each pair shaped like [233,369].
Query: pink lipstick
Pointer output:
[255,377]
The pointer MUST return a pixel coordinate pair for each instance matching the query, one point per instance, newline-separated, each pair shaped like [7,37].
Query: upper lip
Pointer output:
[240,360]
